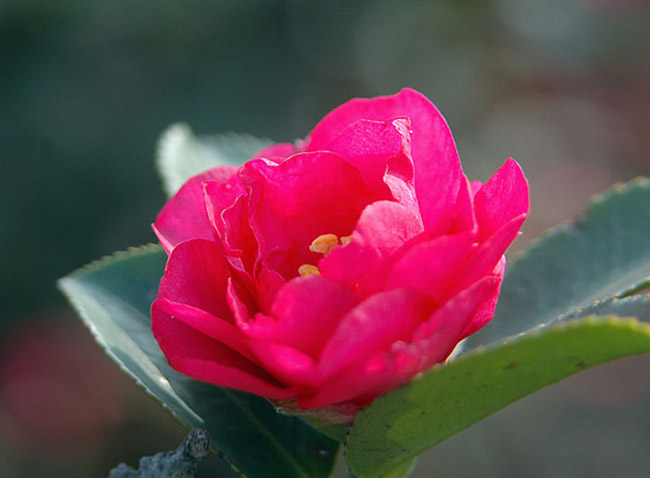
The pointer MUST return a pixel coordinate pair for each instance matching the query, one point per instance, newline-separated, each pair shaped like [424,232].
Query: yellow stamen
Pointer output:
[345,240]
[308,270]
[324,244]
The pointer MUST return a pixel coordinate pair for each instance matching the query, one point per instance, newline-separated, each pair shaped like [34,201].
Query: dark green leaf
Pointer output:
[113,296]
[453,396]
[606,253]
[182,155]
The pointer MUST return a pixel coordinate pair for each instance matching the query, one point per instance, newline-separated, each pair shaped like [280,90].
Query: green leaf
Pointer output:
[450,397]
[635,306]
[113,297]
[182,155]
[604,254]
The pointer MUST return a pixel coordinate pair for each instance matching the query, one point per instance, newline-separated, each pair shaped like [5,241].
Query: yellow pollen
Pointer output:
[345,240]
[308,270]
[324,244]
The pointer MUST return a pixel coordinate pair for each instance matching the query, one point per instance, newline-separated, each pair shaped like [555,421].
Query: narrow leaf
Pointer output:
[604,254]
[182,155]
[113,297]
[453,396]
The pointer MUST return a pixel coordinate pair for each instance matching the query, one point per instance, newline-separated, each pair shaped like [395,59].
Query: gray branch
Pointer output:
[180,463]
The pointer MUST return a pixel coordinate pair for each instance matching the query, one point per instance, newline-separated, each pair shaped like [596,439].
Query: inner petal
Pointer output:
[292,203]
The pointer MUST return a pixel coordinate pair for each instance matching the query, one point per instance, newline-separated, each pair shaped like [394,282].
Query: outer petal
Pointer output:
[277,152]
[203,322]
[289,364]
[364,380]
[374,326]
[502,198]
[197,275]
[197,355]
[431,343]
[489,253]
[304,314]
[436,338]
[438,173]
[383,228]
[292,203]
[486,311]
[184,216]
[433,267]
[465,219]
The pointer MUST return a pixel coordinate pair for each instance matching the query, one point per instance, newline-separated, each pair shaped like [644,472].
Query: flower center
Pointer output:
[323,244]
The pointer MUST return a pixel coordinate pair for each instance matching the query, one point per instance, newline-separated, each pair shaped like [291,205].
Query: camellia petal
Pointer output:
[374,325]
[203,322]
[276,152]
[370,145]
[201,357]
[429,266]
[197,275]
[304,314]
[437,165]
[502,198]
[184,216]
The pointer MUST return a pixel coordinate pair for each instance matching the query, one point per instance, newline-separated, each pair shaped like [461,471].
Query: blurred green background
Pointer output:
[86,88]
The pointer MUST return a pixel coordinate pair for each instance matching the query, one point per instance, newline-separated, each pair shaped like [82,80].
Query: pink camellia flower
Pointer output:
[328,272]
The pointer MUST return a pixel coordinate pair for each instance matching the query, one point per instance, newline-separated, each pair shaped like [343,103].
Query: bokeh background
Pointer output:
[87,87]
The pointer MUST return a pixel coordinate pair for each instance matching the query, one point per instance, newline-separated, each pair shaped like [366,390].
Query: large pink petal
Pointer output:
[502,198]
[201,357]
[292,203]
[374,325]
[383,228]
[289,364]
[184,216]
[488,254]
[203,322]
[438,173]
[364,380]
[304,314]
[432,267]
[373,146]
[436,338]
[197,275]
